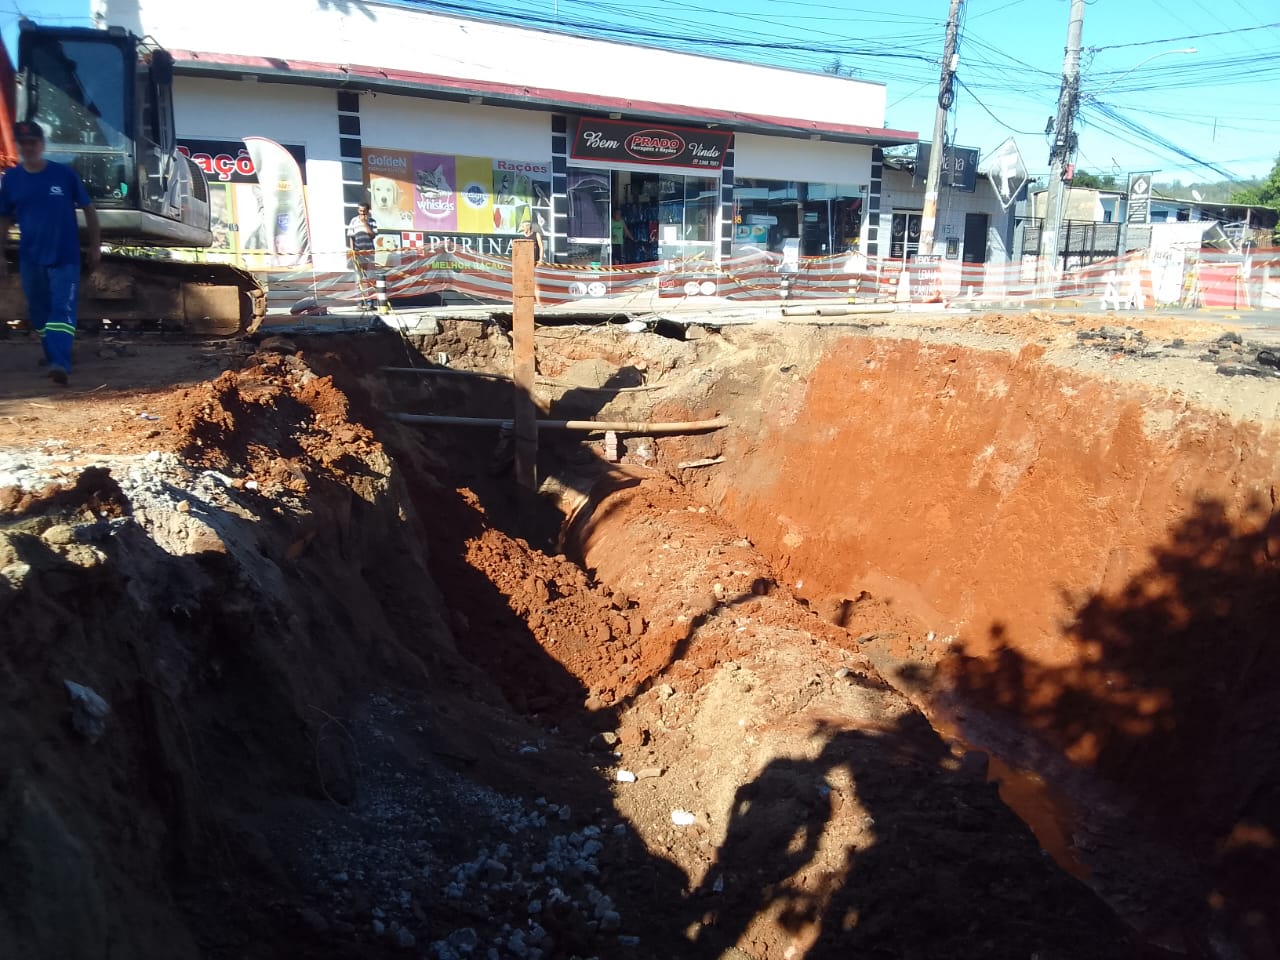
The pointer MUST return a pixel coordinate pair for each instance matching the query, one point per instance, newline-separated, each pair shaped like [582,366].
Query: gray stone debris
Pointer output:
[405,940]
[464,940]
[88,711]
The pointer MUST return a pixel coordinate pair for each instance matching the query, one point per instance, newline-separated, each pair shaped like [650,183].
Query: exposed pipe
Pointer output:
[582,426]
[504,378]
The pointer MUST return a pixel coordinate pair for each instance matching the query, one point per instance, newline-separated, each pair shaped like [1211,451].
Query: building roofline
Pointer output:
[565,32]
[359,78]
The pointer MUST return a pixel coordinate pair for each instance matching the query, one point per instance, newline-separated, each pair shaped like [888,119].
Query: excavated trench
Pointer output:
[948,646]
[1075,575]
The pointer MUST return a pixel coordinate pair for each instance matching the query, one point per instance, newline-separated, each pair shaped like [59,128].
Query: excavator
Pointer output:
[105,101]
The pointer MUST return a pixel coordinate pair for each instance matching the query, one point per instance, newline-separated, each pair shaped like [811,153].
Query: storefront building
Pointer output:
[456,131]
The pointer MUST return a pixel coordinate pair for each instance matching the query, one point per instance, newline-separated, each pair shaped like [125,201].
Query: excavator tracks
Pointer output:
[210,299]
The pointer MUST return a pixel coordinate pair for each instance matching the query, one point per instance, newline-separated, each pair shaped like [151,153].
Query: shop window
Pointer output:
[667,217]
[796,219]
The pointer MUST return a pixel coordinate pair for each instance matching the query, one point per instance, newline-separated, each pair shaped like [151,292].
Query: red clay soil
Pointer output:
[1100,561]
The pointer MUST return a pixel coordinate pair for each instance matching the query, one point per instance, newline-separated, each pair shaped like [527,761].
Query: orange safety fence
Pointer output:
[1121,282]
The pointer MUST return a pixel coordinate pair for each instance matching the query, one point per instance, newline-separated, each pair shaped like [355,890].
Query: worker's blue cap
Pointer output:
[26,130]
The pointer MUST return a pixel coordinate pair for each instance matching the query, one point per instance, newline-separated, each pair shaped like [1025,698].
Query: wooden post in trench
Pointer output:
[526,412]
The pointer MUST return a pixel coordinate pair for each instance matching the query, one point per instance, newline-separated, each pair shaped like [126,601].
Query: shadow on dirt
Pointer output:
[1172,698]
[921,887]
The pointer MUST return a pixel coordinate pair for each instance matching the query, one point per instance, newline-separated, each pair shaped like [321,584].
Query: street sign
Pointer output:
[1007,172]
[1139,207]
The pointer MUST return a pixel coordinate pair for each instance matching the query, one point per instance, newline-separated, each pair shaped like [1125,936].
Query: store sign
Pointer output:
[443,194]
[1139,209]
[637,143]
[228,161]
[429,244]
[959,166]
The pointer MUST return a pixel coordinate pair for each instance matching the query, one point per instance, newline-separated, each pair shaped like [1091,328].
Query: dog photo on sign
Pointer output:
[387,204]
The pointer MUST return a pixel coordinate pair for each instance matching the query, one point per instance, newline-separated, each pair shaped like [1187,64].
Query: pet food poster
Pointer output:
[440,194]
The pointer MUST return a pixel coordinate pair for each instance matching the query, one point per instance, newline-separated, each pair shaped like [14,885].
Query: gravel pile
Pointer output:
[412,863]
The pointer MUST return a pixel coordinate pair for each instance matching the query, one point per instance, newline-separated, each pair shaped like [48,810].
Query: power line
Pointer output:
[1025,133]
[1144,132]
[1189,36]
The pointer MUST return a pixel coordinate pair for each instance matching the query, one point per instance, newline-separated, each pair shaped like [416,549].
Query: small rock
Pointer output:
[565,813]
[1268,358]
[379,928]
[379,913]
[464,940]
[1231,337]
[627,941]
[88,711]
[842,673]
[666,692]
[494,871]
[535,907]
[184,506]
[60,535]
[605,739]
[648,773]
[341,878]
[278,345]
[610,921]
[405,940]
[625,776]
[682,818]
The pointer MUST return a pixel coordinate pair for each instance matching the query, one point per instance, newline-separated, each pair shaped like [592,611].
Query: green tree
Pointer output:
[1265,194]
[1093,181]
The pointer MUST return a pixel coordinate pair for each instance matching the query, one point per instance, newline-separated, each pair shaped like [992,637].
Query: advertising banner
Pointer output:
[646,144]
[284,201]
[244,219]
[417,199]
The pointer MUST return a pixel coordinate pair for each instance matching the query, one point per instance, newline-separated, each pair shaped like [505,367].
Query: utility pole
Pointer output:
[929,219]
[1064,145]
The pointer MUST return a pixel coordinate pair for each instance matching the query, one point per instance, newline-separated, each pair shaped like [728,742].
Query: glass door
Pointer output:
[589,200]
[688,215]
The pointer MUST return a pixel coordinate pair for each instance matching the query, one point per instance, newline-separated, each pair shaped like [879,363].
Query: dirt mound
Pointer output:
[192,603]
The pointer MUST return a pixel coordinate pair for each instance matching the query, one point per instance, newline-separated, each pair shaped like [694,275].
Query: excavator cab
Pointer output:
[105,101]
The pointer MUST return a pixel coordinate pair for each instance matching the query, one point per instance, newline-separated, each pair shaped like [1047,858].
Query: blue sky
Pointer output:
[1217,105]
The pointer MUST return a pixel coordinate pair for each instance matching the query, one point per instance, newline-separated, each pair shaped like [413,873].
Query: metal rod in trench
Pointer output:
[581,426]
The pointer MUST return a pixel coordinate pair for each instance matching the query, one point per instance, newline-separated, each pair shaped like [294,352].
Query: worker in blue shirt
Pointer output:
[42,196]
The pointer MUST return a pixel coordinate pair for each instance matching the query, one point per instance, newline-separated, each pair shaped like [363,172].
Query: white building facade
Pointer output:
[457,130]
